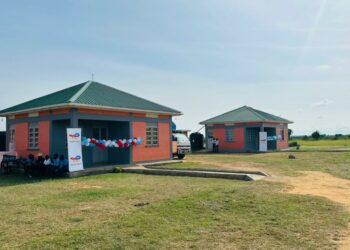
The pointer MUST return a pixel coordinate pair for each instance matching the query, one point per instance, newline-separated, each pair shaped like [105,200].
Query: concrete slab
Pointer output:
[155,169]
[193,173]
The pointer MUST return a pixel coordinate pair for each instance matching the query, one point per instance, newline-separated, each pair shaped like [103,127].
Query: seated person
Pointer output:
[55,165]
[47,165]
[63,164]
[30,166]
[40,164]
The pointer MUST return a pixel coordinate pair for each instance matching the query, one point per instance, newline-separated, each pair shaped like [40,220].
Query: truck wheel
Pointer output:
[181,156]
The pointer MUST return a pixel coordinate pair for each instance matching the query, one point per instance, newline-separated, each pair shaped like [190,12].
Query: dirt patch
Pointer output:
[324,185]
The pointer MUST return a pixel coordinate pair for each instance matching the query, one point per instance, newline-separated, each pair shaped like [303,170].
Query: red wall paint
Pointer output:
[24,115]
[22,139]
[102,112]
[60,111]
[238,144]
[142,152]
[44,137]
[112,112]
[282,144]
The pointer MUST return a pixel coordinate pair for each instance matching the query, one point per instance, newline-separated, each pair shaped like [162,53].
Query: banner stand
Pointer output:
[75,156]
[263,141]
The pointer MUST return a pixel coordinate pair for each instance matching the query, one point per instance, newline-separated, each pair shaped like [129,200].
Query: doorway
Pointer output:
[100,156]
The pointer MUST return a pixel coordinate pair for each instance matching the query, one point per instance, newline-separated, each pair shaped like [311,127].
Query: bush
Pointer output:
[293,144]
[316,135]
[118,170]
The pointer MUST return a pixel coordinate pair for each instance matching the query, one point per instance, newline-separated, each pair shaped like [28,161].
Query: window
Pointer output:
[100,133]
[33,136]
[210,133]
[152,134]
[12,131]
[229,135]
[282,134]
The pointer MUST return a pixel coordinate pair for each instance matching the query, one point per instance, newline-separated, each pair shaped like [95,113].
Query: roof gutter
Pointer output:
[75,105]
[206,123]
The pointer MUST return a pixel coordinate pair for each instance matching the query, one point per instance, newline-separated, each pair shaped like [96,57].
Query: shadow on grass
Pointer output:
[7,180]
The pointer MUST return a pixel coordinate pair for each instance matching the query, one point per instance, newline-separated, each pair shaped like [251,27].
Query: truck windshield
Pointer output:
[181,137]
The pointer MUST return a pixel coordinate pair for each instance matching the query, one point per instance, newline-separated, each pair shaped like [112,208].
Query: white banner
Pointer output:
[75,156]
[262,141]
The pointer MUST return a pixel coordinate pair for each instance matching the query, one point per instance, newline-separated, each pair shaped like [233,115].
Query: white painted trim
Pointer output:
[76,96]
[75,105]
[239,122]
[33,114]
[148,115]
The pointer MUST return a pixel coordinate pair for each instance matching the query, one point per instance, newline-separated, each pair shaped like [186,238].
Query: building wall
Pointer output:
[238,144]
[282,144]
[22,139]
[218,131]
[58,120]
[141,153]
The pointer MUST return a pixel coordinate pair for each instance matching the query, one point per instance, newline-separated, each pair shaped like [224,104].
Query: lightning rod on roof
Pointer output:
[92,76]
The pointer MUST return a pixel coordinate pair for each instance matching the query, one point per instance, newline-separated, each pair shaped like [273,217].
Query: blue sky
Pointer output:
[290,58]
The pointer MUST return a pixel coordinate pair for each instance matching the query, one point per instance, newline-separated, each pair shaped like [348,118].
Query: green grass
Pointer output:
[329,144]
[99,212]
[335,163]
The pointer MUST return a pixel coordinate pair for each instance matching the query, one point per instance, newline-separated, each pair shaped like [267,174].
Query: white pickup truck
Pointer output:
[181,145]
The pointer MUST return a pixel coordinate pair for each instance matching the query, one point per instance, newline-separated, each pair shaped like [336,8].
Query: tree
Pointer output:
[316,135]
[290,132]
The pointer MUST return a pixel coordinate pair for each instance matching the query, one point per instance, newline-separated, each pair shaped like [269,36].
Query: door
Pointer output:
[100,155]
[271,134]
[252,139]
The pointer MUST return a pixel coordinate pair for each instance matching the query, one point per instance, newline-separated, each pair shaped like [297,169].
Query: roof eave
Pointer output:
[270,121]
[77,105]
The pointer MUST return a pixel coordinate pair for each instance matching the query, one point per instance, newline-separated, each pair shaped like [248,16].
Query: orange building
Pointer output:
[239,130]
[103,113]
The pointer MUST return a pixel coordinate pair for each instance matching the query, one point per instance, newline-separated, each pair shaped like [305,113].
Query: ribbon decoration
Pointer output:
[103,144]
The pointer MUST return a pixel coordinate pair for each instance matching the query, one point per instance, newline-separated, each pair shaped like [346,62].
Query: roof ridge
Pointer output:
[255,112]
[233,110]
[127,93]
[246,114]
[276,116]
[80,92]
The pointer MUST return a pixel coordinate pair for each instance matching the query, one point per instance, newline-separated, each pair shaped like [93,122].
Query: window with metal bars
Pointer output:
[210,133]
[152,139]
[230,135]
[33,136]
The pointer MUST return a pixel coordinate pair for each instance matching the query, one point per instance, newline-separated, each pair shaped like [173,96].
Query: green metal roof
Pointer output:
[91,94]
[245,114]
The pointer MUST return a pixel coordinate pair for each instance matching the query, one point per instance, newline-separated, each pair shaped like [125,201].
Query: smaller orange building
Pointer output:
[103,113]
[239,129]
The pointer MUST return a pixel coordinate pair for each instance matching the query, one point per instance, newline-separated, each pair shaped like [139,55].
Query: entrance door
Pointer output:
[271,144]
[252,139]
[100,155]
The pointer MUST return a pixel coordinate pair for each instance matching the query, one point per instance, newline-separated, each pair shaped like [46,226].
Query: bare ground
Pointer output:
[314,183]
[324,185]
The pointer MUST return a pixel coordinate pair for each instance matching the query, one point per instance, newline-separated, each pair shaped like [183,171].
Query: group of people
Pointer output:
[45,166]
[215,142]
